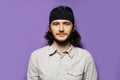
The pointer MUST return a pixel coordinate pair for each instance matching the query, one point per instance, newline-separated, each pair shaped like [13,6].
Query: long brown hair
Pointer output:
[74,37]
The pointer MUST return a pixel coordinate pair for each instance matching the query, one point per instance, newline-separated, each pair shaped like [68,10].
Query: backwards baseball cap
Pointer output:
[61,12]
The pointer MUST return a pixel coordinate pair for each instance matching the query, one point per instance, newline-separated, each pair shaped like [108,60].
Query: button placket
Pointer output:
[62,68]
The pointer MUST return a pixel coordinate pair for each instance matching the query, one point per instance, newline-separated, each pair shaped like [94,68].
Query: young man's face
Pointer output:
[61,29]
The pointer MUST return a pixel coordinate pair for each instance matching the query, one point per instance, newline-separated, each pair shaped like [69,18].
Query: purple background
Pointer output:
[23,24]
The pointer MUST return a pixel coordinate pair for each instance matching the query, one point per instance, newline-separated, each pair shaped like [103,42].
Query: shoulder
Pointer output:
[40,51]
[83,53]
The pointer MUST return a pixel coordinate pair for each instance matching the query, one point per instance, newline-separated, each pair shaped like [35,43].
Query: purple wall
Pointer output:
[23,24]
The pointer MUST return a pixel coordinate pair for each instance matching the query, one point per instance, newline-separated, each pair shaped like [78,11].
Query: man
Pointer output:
[62,59]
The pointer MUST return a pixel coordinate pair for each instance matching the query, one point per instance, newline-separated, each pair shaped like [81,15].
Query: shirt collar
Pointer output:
[53,50]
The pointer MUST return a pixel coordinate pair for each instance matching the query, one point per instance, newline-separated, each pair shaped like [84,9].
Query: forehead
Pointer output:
[61,20]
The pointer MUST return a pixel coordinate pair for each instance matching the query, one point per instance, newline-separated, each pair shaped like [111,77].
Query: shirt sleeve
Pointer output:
[90,69]
[32,73]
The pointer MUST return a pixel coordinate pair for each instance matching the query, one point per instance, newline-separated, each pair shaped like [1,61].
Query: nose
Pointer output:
[61,28]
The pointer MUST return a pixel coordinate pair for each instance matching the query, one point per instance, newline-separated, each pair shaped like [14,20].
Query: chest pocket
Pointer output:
[74,75]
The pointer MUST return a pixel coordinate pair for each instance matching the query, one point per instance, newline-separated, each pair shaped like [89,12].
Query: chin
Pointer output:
[61,41]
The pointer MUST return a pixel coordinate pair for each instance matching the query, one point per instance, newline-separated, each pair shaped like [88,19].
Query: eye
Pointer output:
[67,23]
[55,23]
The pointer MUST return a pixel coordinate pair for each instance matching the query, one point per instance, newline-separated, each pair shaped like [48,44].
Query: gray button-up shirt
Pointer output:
[49,64]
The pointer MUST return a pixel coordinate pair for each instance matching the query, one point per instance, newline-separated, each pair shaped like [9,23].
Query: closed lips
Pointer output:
[61,34]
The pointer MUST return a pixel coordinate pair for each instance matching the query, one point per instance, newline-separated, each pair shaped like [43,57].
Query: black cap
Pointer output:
[61,12]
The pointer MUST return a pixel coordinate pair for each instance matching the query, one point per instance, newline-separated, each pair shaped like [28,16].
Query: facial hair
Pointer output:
[64,42]
[61,42]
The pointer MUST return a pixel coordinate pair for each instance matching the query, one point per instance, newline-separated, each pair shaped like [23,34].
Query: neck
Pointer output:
[62,47]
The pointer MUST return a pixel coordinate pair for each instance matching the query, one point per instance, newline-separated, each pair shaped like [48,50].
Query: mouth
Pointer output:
[61,34]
